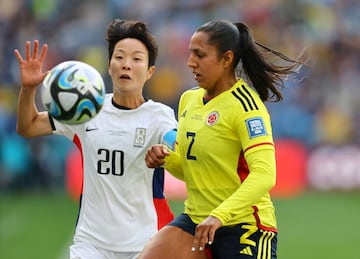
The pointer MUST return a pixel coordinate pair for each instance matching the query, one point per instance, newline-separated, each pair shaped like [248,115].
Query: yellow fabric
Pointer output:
[210,140]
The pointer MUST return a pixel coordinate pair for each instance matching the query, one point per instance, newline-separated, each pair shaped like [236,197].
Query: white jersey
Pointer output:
[117,210]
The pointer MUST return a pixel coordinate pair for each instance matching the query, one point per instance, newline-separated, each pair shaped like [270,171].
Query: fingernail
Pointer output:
[209,242]
[201,248]
[193,249]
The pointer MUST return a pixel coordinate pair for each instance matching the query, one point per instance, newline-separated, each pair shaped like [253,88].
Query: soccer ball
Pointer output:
[73,92]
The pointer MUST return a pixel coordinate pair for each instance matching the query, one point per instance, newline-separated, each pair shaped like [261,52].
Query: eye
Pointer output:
[199,54]
[138,59]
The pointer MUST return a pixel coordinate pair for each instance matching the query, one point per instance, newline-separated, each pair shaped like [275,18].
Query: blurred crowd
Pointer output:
[321,104]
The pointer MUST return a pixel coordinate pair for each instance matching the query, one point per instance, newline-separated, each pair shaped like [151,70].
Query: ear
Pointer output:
[228,58]
[150,72]
[108,68]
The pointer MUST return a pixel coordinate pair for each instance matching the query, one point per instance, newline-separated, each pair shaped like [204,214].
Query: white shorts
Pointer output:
[86,251]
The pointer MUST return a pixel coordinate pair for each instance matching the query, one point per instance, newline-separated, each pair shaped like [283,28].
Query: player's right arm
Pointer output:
[162,156]
[31,122]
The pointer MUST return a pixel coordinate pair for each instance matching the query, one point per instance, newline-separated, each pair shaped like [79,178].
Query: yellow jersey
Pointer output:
[225,155]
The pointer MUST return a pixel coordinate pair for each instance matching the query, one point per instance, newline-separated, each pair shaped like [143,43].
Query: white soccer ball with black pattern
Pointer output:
[73,92]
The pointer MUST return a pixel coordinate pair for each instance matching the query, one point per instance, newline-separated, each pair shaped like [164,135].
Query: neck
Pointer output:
[129,102]
[219,88]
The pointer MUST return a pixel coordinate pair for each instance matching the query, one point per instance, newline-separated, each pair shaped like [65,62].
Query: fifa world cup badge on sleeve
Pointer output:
[255,127]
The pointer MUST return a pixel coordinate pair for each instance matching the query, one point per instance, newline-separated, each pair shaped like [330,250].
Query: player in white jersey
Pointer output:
[122,202]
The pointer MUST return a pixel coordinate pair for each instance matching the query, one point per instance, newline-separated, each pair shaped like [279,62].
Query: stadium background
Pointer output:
[316,127]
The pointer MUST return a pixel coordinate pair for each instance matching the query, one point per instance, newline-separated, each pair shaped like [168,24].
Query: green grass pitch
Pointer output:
[314,225]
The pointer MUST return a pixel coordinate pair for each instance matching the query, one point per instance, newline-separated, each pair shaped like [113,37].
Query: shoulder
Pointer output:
[157,105]
[162,115]
[192,93]
[193,90]
[159,108]
[108,98]
[245,97]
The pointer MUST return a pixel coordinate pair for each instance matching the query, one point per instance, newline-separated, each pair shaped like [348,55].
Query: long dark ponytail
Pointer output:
[264,76]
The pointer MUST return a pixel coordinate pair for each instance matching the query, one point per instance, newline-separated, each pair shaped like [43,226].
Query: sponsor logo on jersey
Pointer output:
[246,251]
[212,118]
[183,114]
[140,135]
[255,127]
[90,129]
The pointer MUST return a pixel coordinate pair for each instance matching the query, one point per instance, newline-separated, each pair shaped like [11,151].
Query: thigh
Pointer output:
[244,242]
[171,242]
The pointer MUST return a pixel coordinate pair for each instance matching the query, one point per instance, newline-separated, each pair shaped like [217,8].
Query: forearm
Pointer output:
[173,165]
[31,122]
[260,181]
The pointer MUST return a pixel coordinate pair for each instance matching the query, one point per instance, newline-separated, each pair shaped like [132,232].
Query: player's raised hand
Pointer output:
[31,66]
[155,156]
[205,233]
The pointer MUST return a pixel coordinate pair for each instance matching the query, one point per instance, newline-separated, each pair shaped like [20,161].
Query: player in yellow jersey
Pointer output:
[225,151]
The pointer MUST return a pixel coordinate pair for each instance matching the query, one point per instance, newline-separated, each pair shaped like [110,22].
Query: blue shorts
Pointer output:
[242,241]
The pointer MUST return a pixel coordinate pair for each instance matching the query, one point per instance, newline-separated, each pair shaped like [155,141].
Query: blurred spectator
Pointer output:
[322,108]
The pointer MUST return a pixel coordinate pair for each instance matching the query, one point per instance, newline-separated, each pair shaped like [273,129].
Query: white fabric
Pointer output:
[117,211]
[86,251]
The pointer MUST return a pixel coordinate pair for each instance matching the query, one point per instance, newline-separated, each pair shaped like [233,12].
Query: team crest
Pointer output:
[256,127]
[140,135]
[212,118]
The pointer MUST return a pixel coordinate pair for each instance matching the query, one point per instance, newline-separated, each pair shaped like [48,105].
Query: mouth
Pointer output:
[125,77]
[196,76]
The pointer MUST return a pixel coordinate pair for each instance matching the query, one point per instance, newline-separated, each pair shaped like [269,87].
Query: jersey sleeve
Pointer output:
[261,179]
[173,164]
[63,129]
[255,134]
[254,130]
[169,139]
[167,126]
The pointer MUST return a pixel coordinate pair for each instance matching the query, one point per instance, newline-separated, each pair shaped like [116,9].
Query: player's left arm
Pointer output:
[257,184]
[255,134]
[261,180]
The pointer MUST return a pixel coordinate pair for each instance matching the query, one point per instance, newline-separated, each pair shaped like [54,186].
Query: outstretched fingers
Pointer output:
[35,49]
[43,52]
[32,55]
[27,50]
[18,56]
[31,64]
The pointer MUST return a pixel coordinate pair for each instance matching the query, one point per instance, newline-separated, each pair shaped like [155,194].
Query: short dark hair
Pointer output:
[122,29]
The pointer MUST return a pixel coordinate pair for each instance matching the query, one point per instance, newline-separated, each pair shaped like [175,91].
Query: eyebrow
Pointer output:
[196,50]
[135,52]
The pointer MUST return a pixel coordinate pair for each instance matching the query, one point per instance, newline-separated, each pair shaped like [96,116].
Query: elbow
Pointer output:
[268,182]
[20,131]
[23,132]
[272,183]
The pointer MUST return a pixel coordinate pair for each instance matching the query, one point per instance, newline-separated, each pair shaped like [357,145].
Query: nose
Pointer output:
[191,62]
[126,67]
[126,64]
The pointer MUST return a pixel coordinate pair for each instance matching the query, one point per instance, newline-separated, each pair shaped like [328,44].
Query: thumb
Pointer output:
[165,151]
